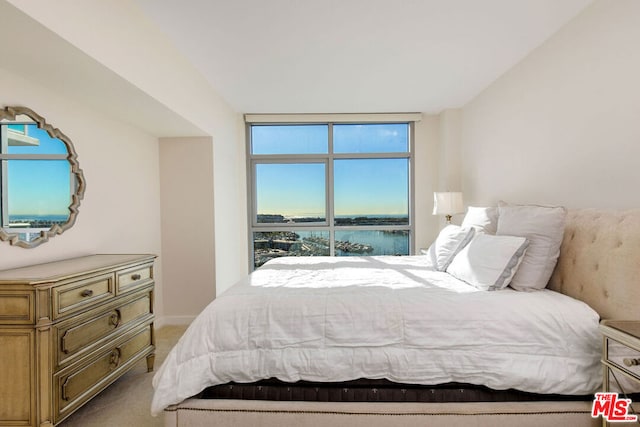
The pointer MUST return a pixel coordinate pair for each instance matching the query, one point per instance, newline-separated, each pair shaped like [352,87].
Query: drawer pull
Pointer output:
[64,390]
[114,319]
[135,276]
[63,343]
[87,293]
[114,358]
[631,362]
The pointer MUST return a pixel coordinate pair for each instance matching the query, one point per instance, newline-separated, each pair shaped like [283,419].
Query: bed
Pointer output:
[409,325]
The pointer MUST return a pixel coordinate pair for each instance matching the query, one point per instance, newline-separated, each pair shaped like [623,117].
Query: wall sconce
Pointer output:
[447,204]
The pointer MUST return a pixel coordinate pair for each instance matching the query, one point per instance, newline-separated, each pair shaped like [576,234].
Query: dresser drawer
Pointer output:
[86,334]
[133,278]
[17,308]
[75,386]
[83,294]
[623,357]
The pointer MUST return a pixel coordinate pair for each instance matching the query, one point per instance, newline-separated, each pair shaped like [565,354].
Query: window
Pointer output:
[330,189]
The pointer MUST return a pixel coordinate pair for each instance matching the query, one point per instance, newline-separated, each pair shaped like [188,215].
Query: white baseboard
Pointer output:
[173,321]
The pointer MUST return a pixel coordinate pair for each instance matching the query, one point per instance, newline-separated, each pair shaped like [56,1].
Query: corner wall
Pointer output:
[187,212]
[230,177]
[427,146]
[562,127]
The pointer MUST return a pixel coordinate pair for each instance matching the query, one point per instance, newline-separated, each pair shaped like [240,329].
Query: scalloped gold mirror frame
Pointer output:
[9,114]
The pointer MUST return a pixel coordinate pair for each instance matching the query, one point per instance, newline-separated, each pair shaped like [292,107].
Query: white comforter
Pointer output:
[338,319]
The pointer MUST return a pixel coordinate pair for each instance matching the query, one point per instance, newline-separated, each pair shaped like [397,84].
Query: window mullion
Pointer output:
[33,156]
[411,187]
[348,156]
[330,201]
[4,194]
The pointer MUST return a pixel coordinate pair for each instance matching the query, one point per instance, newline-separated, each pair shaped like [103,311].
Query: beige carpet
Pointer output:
[126,402]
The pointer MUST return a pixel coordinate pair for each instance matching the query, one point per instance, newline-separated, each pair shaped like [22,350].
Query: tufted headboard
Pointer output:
[600,261]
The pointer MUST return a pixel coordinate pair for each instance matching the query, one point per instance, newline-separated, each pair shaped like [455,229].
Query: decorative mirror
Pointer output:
[41,183]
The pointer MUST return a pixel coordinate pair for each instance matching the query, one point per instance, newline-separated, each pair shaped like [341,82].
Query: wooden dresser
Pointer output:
[68,329]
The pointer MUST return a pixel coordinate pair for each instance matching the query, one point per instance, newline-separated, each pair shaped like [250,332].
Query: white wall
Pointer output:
[230,191]
[187,213]
[426,163]
[563,126]
[119,36]
[449,154]
[120,212]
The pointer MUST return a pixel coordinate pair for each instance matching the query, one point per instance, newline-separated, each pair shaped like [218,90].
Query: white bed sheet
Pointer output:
[339,319]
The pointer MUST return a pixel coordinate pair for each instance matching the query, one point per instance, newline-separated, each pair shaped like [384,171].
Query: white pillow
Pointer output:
[543,226]
[489,262]
[484,220]
[449,242]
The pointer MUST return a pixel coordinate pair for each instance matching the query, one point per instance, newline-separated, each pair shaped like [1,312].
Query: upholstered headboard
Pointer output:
[600,261]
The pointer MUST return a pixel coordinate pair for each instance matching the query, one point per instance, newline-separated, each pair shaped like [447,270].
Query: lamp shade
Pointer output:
[447,203]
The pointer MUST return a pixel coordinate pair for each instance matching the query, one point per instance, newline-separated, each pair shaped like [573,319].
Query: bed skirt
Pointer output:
[238,413]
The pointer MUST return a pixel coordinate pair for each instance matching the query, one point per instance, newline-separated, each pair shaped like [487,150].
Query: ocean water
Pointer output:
[52,218]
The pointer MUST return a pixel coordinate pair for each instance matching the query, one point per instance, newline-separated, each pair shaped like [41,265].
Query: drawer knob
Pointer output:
[114,358]
[631,362]
[87,293]
[114,319]
[64,390]
[135,276]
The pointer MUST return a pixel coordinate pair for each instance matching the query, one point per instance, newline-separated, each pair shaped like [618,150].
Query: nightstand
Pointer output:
[621,355]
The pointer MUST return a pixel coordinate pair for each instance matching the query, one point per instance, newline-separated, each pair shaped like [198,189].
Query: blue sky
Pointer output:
[291,189]
[371,187]
[302,139]
[361,186]
[39,187]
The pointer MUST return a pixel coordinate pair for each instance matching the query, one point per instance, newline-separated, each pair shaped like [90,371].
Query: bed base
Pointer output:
[236,413]
[374,390]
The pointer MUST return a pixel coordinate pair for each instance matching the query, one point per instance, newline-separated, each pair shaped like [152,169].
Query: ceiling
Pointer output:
[345,56]
[55,63]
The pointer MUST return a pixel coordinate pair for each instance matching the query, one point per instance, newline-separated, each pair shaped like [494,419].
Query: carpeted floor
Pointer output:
[126,402]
